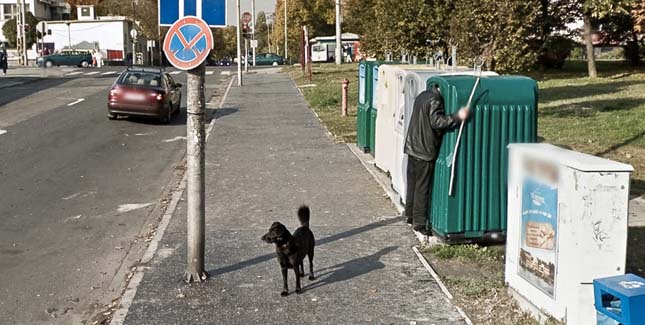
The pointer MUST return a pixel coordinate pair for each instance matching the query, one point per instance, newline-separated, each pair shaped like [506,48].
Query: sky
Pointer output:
[245,5]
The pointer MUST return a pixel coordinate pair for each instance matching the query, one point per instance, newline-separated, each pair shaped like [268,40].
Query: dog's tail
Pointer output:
[303,215]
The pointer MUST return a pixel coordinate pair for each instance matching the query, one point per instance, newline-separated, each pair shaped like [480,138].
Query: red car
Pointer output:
[144,92]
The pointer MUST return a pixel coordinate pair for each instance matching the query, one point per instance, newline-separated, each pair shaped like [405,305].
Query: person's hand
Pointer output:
[463,114]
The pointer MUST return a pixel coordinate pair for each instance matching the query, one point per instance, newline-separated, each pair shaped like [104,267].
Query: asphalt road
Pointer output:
[76,190]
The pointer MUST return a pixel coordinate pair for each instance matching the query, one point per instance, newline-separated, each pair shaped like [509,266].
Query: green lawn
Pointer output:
[604,117]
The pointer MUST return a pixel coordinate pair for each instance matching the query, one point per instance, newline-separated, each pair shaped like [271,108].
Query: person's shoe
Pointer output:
[408,220]
[422,230]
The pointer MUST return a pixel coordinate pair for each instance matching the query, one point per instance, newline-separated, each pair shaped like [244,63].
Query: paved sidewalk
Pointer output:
[266,155]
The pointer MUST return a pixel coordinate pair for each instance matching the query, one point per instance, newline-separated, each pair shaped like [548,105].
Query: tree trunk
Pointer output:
[591,58]
[196,218]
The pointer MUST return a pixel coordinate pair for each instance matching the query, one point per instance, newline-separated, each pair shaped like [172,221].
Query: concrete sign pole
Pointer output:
[253,28]
[339,45]
[24,33]
[196,220]
[239,45]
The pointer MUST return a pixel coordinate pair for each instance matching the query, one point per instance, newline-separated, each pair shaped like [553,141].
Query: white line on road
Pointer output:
[109,72]
[174,139]
[226,73]
[208,73]
[2,132]
[76,102]
[175,72]
[131,207]
[74,73]
[92,73]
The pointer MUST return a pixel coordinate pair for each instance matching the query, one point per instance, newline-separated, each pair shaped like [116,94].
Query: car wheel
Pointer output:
[166,119]
[85,64]
[111,116]
[275,64]
[49,64]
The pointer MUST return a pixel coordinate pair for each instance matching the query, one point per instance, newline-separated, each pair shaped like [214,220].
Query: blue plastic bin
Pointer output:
[621,298]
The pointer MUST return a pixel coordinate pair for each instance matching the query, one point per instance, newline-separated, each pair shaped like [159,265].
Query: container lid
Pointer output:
[576,160]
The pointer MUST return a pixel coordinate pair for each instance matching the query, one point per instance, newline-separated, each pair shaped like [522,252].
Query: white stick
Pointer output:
[461,129]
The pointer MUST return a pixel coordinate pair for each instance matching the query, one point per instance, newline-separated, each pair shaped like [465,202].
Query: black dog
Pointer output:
[292,249]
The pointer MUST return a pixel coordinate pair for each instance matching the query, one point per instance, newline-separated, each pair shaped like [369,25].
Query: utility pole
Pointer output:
[268,31]
[286,45]
[339,48]
[239,45]
[196,218]
[253,28]
[69,34]
[24,34]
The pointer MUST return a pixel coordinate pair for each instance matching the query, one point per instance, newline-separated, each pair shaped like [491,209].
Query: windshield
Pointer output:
[138,78]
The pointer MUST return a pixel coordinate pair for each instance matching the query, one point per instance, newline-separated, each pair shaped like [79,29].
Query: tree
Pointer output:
[499,32]
[142,11]
[403,26]
[9,30]
[598,9]
[358,16]
[225,42]
[262,32]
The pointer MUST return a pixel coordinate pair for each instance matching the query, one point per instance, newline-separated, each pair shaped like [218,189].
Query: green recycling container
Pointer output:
[503,111]
[373,111]
[362,119]
[365,117]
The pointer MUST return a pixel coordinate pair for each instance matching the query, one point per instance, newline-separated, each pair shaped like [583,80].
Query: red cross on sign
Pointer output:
[188,43]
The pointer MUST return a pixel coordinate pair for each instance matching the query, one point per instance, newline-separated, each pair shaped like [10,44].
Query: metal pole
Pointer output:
[454,58]
[69,34]
[196,218]
[339,49]
[24,34]
[239,45]
[254,21]
[286,45]
[19,30]
[246,55]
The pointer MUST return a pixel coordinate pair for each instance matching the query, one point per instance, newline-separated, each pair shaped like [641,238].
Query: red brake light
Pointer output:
[115,91]
[156,95]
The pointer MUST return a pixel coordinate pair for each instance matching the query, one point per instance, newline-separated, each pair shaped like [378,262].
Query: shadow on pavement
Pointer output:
[351,269]
[326,240]
[27,87]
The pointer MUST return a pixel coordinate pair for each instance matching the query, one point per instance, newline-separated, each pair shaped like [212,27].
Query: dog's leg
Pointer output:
[298,289]
[302,269]
[311,265]
[285,290]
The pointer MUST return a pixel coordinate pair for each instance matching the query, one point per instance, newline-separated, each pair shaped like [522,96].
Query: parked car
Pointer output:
[144,92]
[224,62]
[267,59]
[76,58]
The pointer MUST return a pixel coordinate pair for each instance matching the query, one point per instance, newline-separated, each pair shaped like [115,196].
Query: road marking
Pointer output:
[175,72]
[76,102]
[72,196]
[74,73]
[2,132]
[208,73]
[141,134]
[174,139]
[92,73]
[131,207]
[109,72]
[226,73]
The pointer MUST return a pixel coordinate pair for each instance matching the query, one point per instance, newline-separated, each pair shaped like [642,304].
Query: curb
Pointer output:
[130,292]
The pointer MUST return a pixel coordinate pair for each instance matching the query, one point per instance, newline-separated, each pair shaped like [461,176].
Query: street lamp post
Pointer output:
[239,45]
[339,58]
[253,30]
[286,45]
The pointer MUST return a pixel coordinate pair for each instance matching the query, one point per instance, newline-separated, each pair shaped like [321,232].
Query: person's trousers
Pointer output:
[419,191]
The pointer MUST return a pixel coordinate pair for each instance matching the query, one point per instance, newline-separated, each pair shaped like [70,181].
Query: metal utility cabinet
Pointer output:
[567,226]
[503,111]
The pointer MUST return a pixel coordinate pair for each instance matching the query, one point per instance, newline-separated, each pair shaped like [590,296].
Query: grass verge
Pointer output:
[475,277]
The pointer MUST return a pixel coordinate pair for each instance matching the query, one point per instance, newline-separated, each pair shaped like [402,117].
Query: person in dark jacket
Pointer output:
[3,59]
[428,124]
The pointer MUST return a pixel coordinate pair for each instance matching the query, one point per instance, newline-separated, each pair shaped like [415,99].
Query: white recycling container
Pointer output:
[567,225]
[414,83]
[389,96]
